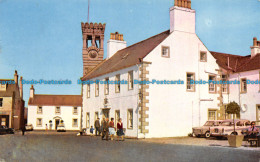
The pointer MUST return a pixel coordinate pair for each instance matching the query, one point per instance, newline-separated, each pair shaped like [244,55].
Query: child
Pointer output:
[92,131]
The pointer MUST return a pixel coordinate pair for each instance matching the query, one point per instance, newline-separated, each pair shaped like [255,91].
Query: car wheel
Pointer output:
[198,135]
[207,134]
[233,133]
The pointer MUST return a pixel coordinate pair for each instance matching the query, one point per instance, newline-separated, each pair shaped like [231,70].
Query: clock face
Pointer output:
[93,54]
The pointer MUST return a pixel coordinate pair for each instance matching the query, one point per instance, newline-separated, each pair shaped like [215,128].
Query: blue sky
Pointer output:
[42,39]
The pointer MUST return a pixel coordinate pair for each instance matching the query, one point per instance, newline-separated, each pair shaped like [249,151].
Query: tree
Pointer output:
[233,108]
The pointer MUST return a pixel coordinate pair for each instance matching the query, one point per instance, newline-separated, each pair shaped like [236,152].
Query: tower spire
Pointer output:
[88,9]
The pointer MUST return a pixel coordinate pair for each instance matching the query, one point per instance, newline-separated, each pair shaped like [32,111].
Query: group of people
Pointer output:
[107,128]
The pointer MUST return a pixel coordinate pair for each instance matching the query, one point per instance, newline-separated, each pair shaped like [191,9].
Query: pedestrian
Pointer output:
[23,130]
[46,127]
[105,129]
[91,131]
[97,126]
[120,130]
[112,131]
[102,124]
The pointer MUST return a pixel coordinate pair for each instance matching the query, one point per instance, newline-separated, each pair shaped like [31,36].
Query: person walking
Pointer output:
[102,127]
[97,126]
[23,130]
[112,131]
[105,129]
[120,130]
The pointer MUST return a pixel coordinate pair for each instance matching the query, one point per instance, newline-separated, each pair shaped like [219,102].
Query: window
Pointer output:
[165,51]
[2,87]
[117,116]
[1,102]
[75,110]
[190,86]
[87,120]
[130,80]
[106,86]
[203,56]
[96,115]
[130,118]
[258,114]
[74,122]
[212,85]
[39,122]
[224,83]
[117,85]
[57,110]
[243,85]
[212,115]
[39,110]
[97,89]
[88,90]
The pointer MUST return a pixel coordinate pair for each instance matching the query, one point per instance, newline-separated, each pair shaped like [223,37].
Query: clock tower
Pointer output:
[93,45]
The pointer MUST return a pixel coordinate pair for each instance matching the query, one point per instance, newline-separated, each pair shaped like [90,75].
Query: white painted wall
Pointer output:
[48,113]
[126,99]
[113,46]
[172,110]
[182,19]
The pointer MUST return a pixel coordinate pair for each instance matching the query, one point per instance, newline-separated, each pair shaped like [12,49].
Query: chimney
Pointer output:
[21,87]
[255,49]
[182,17]
[31,92]
[16,77]
[115,43]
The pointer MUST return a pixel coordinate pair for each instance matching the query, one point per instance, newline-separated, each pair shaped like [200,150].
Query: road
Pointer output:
[68,147]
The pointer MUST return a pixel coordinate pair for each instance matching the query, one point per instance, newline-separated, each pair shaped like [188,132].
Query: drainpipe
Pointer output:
[81,108]
[138,102]
[199,79]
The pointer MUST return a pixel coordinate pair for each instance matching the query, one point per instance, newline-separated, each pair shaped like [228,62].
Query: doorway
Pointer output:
[4,119]
[57,122]
[105,113]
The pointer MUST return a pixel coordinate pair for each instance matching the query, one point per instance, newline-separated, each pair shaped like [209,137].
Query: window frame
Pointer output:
[117,117]
[215,85]
[242,85]
[117,86]
[162,51]
[192,85]
[128,118]
[96,115]
[212,110]
[88,120]
[206,58]
[73,122]
[38,125]
[88,90]
[73,110]
[258,114]
[97,89]
[38,108]
[227,85]
[56,110]
[106,86]
[130,79]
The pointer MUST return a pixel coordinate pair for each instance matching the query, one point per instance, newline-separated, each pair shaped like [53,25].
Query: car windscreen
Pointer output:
[209,123]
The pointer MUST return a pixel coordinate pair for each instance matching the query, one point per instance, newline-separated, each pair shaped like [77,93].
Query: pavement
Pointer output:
[66,146]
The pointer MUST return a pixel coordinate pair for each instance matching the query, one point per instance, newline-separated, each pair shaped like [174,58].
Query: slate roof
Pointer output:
[237,63]
[56,100]
[127,57]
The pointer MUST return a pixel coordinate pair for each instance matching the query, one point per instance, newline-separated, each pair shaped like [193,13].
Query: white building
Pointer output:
[158,109]
[53,110]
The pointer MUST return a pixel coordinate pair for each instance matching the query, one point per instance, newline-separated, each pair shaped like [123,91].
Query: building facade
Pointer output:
[170,105]
[11,103]
[48,111]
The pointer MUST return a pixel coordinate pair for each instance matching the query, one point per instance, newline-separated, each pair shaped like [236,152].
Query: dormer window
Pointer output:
[165,51]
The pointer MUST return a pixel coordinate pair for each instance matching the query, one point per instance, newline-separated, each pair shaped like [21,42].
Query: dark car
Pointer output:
[5,130]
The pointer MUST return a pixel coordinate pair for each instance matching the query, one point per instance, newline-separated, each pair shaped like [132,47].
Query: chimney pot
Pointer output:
[254,41]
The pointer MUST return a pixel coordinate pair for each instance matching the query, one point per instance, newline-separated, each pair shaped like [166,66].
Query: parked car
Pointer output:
[205,129]
[5,130]
[227,127]
[28,127]
[61,128]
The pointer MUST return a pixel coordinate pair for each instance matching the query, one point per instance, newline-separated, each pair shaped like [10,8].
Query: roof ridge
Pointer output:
[227,54]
